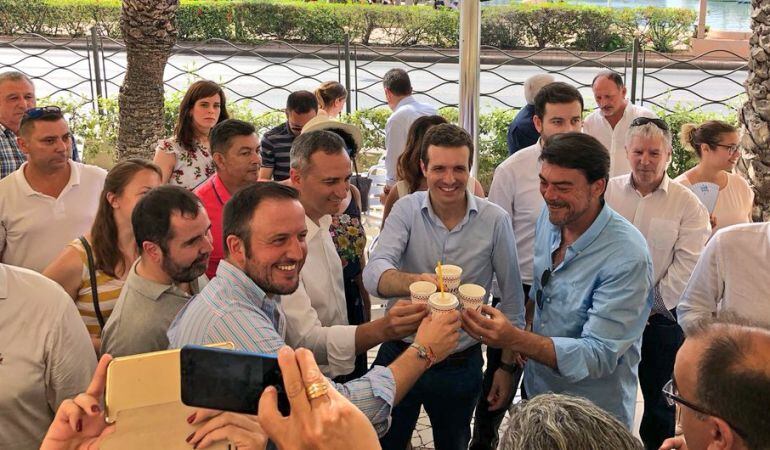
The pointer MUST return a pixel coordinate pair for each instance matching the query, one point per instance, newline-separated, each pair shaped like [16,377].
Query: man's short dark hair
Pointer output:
[28,121]
[397,81]
[578,151]
[729,384]
[446,135]
[240,209]
[610,75]
[556,93]
[301,102]
[151,217]
[308,144]
[224,131]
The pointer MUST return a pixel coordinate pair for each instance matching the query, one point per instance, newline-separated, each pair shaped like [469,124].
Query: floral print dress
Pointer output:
[192,167]
[350,239]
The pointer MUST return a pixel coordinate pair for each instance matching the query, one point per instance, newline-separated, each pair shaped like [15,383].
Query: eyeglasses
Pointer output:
[639,121]
[544,279]
[671,392]
[731,149]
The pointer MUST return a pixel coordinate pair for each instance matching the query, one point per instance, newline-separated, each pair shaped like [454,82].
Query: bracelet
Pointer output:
[510,368]
[424,353]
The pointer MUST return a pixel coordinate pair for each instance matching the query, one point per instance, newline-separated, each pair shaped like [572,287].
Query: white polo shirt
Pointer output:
[516,188]
[35,227]
[674,223]
[615,138]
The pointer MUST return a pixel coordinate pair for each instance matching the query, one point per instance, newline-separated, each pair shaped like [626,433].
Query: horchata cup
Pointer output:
[421,291]
[472,296]
[441,303]
[451,276]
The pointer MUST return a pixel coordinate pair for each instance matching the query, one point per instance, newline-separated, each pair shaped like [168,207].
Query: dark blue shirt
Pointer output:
[521,131]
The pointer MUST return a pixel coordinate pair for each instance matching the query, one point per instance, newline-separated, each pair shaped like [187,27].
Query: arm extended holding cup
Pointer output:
[394,283]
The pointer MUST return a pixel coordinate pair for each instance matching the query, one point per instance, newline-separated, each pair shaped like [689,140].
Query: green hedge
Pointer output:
[100,131]
[512,26]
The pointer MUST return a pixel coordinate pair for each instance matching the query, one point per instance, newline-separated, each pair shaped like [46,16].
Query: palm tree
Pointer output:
[149,31]
[755,113]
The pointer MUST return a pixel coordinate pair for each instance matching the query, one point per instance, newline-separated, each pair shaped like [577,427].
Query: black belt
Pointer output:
[455,359]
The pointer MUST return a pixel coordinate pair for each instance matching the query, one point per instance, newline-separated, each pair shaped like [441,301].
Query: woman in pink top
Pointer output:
[716,144]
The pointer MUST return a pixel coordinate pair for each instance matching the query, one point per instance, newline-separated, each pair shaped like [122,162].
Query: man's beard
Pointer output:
[185,274]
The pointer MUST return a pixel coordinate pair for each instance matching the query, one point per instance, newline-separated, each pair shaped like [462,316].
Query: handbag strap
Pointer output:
[92,276]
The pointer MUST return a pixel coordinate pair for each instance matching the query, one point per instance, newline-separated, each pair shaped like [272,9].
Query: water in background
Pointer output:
[731,15]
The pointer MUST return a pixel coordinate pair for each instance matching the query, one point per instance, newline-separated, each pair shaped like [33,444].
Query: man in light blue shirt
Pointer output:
[446,224]
[592,286]
[264,235]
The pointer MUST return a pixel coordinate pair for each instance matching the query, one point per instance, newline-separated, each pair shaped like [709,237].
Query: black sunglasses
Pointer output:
[544,279]
[660,123]
[671,392]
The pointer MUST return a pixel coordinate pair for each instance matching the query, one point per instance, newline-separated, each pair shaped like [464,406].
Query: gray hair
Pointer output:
[307,144]
[13,75]
[533,85]
[563,422]
[649,130]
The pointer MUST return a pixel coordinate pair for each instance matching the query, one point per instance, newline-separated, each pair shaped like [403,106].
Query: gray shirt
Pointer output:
[143,313]
[46,355]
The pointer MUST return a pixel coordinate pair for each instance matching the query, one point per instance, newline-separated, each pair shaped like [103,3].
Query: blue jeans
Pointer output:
[449,392]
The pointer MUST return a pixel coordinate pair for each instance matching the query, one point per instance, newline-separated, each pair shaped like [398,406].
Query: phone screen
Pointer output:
[229,380]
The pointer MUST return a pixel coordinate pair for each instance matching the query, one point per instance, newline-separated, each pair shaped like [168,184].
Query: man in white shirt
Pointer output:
[731,275]
[46,355]
[50,199]
[316,312]
[609,123]
[676,226]
[558,108]
[398,94]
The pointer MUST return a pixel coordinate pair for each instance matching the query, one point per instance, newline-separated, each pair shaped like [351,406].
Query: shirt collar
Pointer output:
[591,233]
[470,206]
[7,131]
[27,189]
[228,271]
[152,289]
[663,186]
[219,188]
[312,229]
[408,100]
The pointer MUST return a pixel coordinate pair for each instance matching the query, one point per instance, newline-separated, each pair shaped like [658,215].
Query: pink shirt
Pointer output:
[213,194]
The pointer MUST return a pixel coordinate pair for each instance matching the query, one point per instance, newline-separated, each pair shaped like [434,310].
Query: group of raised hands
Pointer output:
[327,422]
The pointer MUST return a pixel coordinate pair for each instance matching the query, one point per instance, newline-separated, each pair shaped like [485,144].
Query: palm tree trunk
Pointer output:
[149,31]
[755,114]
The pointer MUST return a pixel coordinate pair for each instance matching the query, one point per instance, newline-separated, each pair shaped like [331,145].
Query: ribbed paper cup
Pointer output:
[439,305]
[421,291]
[451,276]
[472,296]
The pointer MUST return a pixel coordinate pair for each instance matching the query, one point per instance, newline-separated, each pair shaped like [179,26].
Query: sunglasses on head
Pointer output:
[37,113]
[660,123]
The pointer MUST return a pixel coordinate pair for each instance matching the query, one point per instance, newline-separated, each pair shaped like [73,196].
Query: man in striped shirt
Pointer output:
[301,106]
[264,235]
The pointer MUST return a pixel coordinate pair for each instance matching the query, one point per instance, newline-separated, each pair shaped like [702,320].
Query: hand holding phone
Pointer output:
[229,380]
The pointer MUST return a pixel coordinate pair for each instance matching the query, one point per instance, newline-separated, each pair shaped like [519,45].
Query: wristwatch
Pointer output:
[424,353]
[510,368]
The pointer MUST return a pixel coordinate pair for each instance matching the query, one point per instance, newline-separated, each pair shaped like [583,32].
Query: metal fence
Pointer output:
[263,75]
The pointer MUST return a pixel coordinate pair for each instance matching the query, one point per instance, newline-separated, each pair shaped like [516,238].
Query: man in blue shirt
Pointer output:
[446,224]
[592,287]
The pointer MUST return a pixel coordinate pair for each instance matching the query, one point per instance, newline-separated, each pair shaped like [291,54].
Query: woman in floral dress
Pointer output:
[185,158]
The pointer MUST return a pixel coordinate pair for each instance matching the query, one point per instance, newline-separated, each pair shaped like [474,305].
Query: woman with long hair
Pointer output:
[408,172]
[331,97]
[111,243]
[716,145]
[185,158]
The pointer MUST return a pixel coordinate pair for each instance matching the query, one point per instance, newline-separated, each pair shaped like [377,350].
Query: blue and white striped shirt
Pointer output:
[233,308]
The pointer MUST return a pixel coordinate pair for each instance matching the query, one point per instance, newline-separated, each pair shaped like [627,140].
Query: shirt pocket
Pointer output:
[662,234]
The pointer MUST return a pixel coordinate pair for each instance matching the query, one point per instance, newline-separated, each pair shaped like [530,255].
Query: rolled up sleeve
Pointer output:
[620,307]
[704,289]
[374,394]
[391,244]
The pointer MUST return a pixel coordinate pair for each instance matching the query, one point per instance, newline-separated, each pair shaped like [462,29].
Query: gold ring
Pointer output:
[316,390]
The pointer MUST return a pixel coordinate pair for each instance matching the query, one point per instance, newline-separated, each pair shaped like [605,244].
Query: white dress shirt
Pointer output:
[731,275]
[615,138]
[316,313]
[675,225]
[34,227]
[397,131]
[516,188]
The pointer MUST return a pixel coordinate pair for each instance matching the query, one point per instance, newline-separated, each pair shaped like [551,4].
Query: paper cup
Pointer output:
[439,305]
[421,291]
[472,296]
[451,276]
